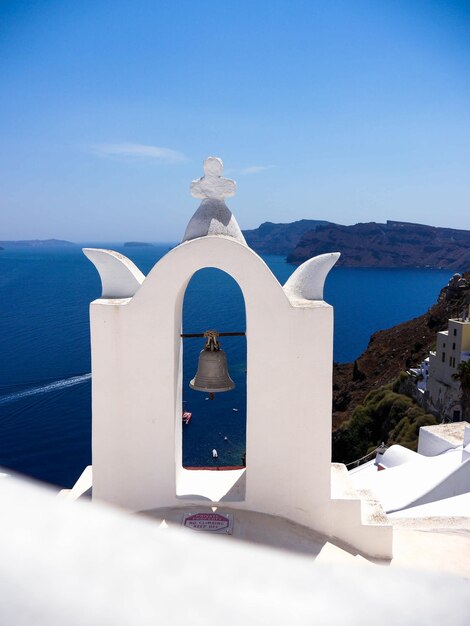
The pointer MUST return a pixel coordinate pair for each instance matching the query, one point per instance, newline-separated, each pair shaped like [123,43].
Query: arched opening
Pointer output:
[214,300]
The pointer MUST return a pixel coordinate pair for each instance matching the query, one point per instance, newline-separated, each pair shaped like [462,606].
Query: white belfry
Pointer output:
[137,385]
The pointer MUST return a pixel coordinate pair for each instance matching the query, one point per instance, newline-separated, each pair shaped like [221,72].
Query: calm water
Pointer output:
[45,407]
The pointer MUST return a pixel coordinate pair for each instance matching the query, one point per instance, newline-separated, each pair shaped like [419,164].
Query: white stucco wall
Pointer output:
[136,367]
[434,440]
[357,517]
[430,444]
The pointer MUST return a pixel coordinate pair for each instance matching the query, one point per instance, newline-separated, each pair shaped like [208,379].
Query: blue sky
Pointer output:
[347,111]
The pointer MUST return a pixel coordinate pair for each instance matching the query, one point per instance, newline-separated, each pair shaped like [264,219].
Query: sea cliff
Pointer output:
[394,244]
[390,245]
[392,351]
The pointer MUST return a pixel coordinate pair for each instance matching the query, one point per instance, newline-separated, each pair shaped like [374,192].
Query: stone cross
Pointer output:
[213,217]
[212,184]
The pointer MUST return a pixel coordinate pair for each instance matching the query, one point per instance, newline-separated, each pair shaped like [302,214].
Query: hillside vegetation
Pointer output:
[385,416]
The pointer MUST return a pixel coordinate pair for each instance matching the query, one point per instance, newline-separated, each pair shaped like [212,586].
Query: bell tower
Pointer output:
[137,376]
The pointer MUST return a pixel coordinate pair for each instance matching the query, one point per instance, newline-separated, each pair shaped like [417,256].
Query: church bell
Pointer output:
[212,374]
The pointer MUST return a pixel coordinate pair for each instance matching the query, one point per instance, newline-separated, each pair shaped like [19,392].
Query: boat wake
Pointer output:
[41,389]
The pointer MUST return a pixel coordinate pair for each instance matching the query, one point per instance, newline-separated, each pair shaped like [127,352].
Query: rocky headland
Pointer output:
[270,238]
[392,245]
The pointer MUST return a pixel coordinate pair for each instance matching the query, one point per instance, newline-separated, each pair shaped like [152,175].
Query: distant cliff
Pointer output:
[36,243]
[391,351]
[270,238]
[394,244]
[139,244]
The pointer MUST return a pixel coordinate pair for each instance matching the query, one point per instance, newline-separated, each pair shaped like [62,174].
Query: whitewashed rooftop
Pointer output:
[416,484]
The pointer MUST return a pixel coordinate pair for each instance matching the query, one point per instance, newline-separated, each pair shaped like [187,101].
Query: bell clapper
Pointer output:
[212,342]
[211,396]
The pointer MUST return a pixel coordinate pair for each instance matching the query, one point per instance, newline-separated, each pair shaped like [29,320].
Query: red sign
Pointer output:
[209,522]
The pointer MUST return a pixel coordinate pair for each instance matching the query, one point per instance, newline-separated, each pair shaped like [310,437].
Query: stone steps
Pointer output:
[358,518]
[332,554]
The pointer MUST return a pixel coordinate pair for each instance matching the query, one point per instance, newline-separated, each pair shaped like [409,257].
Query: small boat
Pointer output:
[214,454]
[186,417]
[236,410]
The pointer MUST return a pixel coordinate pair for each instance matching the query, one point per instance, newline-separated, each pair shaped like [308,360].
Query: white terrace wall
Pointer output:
[137,374]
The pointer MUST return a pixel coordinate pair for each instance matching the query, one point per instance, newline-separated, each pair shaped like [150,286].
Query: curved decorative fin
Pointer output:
[307,282]
[120,278]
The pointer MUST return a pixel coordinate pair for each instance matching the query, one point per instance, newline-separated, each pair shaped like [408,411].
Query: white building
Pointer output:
[421,374]
[452,347]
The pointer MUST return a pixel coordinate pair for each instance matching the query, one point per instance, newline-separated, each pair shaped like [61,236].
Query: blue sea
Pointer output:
[45,381]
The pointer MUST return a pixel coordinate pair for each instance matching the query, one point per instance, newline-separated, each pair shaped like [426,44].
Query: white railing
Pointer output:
[365,458]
